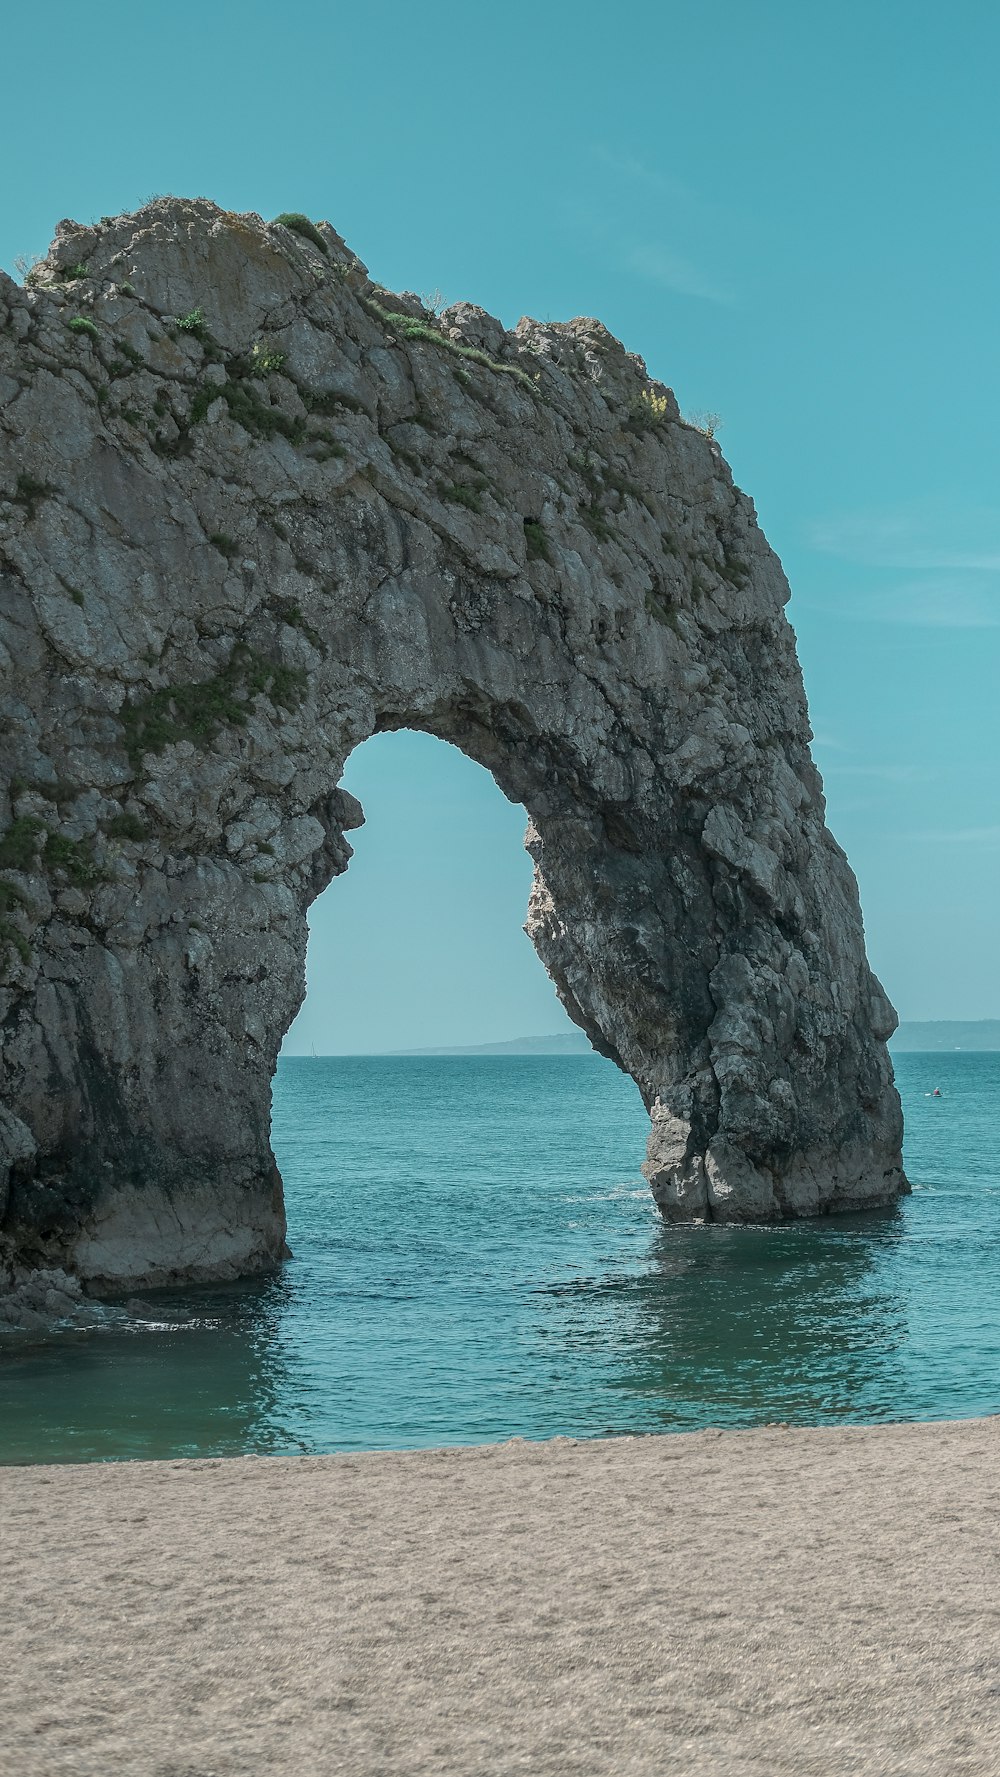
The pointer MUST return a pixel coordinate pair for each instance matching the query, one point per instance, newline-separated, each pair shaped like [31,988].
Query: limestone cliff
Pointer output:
[254,508]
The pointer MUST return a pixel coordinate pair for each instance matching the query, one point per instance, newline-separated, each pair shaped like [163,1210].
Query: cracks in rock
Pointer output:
[568,689]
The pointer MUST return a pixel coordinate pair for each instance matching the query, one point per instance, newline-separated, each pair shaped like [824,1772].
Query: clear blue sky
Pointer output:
[790,211]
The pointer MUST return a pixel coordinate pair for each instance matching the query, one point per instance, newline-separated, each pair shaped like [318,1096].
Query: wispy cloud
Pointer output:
[639,172]
[890,774]
[927,538]
[685,200]
[680,231]
[984,836]
[927,604]
[673,272]
[949,555]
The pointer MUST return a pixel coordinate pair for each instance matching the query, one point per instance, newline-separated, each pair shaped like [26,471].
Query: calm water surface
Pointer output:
[477,1257]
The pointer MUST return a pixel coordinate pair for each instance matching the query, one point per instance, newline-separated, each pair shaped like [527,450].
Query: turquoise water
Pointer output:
[477,1257]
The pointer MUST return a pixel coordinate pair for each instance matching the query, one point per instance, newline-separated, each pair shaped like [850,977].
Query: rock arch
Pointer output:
[254,508]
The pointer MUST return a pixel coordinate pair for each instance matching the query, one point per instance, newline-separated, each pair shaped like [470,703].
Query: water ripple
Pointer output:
[477,1257]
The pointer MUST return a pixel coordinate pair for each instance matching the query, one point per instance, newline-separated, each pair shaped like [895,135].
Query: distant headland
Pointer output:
[927,1035]
[948,1033]
[569,1042]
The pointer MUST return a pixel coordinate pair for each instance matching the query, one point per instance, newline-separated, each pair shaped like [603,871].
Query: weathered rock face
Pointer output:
[253,508]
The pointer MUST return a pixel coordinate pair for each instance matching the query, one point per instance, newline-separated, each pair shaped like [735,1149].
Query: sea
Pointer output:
[476,1258]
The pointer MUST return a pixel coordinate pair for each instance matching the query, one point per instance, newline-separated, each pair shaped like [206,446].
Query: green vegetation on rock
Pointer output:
[462,493]
[659,608]
[33,848]
[735,570]
[29,491]
[74,857]
[199,406]
[537,541]
[410,327]
[648,411]
[265,360]
[301,225]
[9,935]
[197,711]
[20,845]
[258,417]
[602,480]
[29,845]
[127,826]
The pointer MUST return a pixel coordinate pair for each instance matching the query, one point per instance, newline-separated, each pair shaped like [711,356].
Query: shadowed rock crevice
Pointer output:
[255,508]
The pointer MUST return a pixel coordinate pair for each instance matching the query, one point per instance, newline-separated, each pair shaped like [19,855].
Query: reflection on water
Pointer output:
[476,1257]
[186,1377]
[745,1325]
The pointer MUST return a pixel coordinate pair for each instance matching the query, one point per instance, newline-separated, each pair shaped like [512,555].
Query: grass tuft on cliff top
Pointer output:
[301,225]
[409,327]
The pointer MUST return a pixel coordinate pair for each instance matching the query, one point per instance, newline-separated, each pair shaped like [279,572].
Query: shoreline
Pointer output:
[768,1602]
[514,1441]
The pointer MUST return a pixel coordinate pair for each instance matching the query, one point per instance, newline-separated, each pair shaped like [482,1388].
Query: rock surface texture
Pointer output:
[255,508]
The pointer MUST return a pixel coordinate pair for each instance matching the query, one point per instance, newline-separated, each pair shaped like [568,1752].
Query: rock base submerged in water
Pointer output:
[253,509]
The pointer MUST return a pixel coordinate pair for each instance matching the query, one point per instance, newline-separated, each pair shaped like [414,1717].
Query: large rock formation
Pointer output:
[254,508]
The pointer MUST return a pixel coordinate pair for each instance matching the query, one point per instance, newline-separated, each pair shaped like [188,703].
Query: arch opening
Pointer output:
[418,944]
[424,994]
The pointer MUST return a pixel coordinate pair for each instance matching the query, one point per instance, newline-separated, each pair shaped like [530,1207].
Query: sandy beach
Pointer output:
[751,1604]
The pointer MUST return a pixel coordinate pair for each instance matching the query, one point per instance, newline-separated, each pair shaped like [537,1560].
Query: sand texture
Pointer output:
[770,1603]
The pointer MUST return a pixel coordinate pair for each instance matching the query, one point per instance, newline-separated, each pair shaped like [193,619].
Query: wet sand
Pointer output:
[770,1603]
